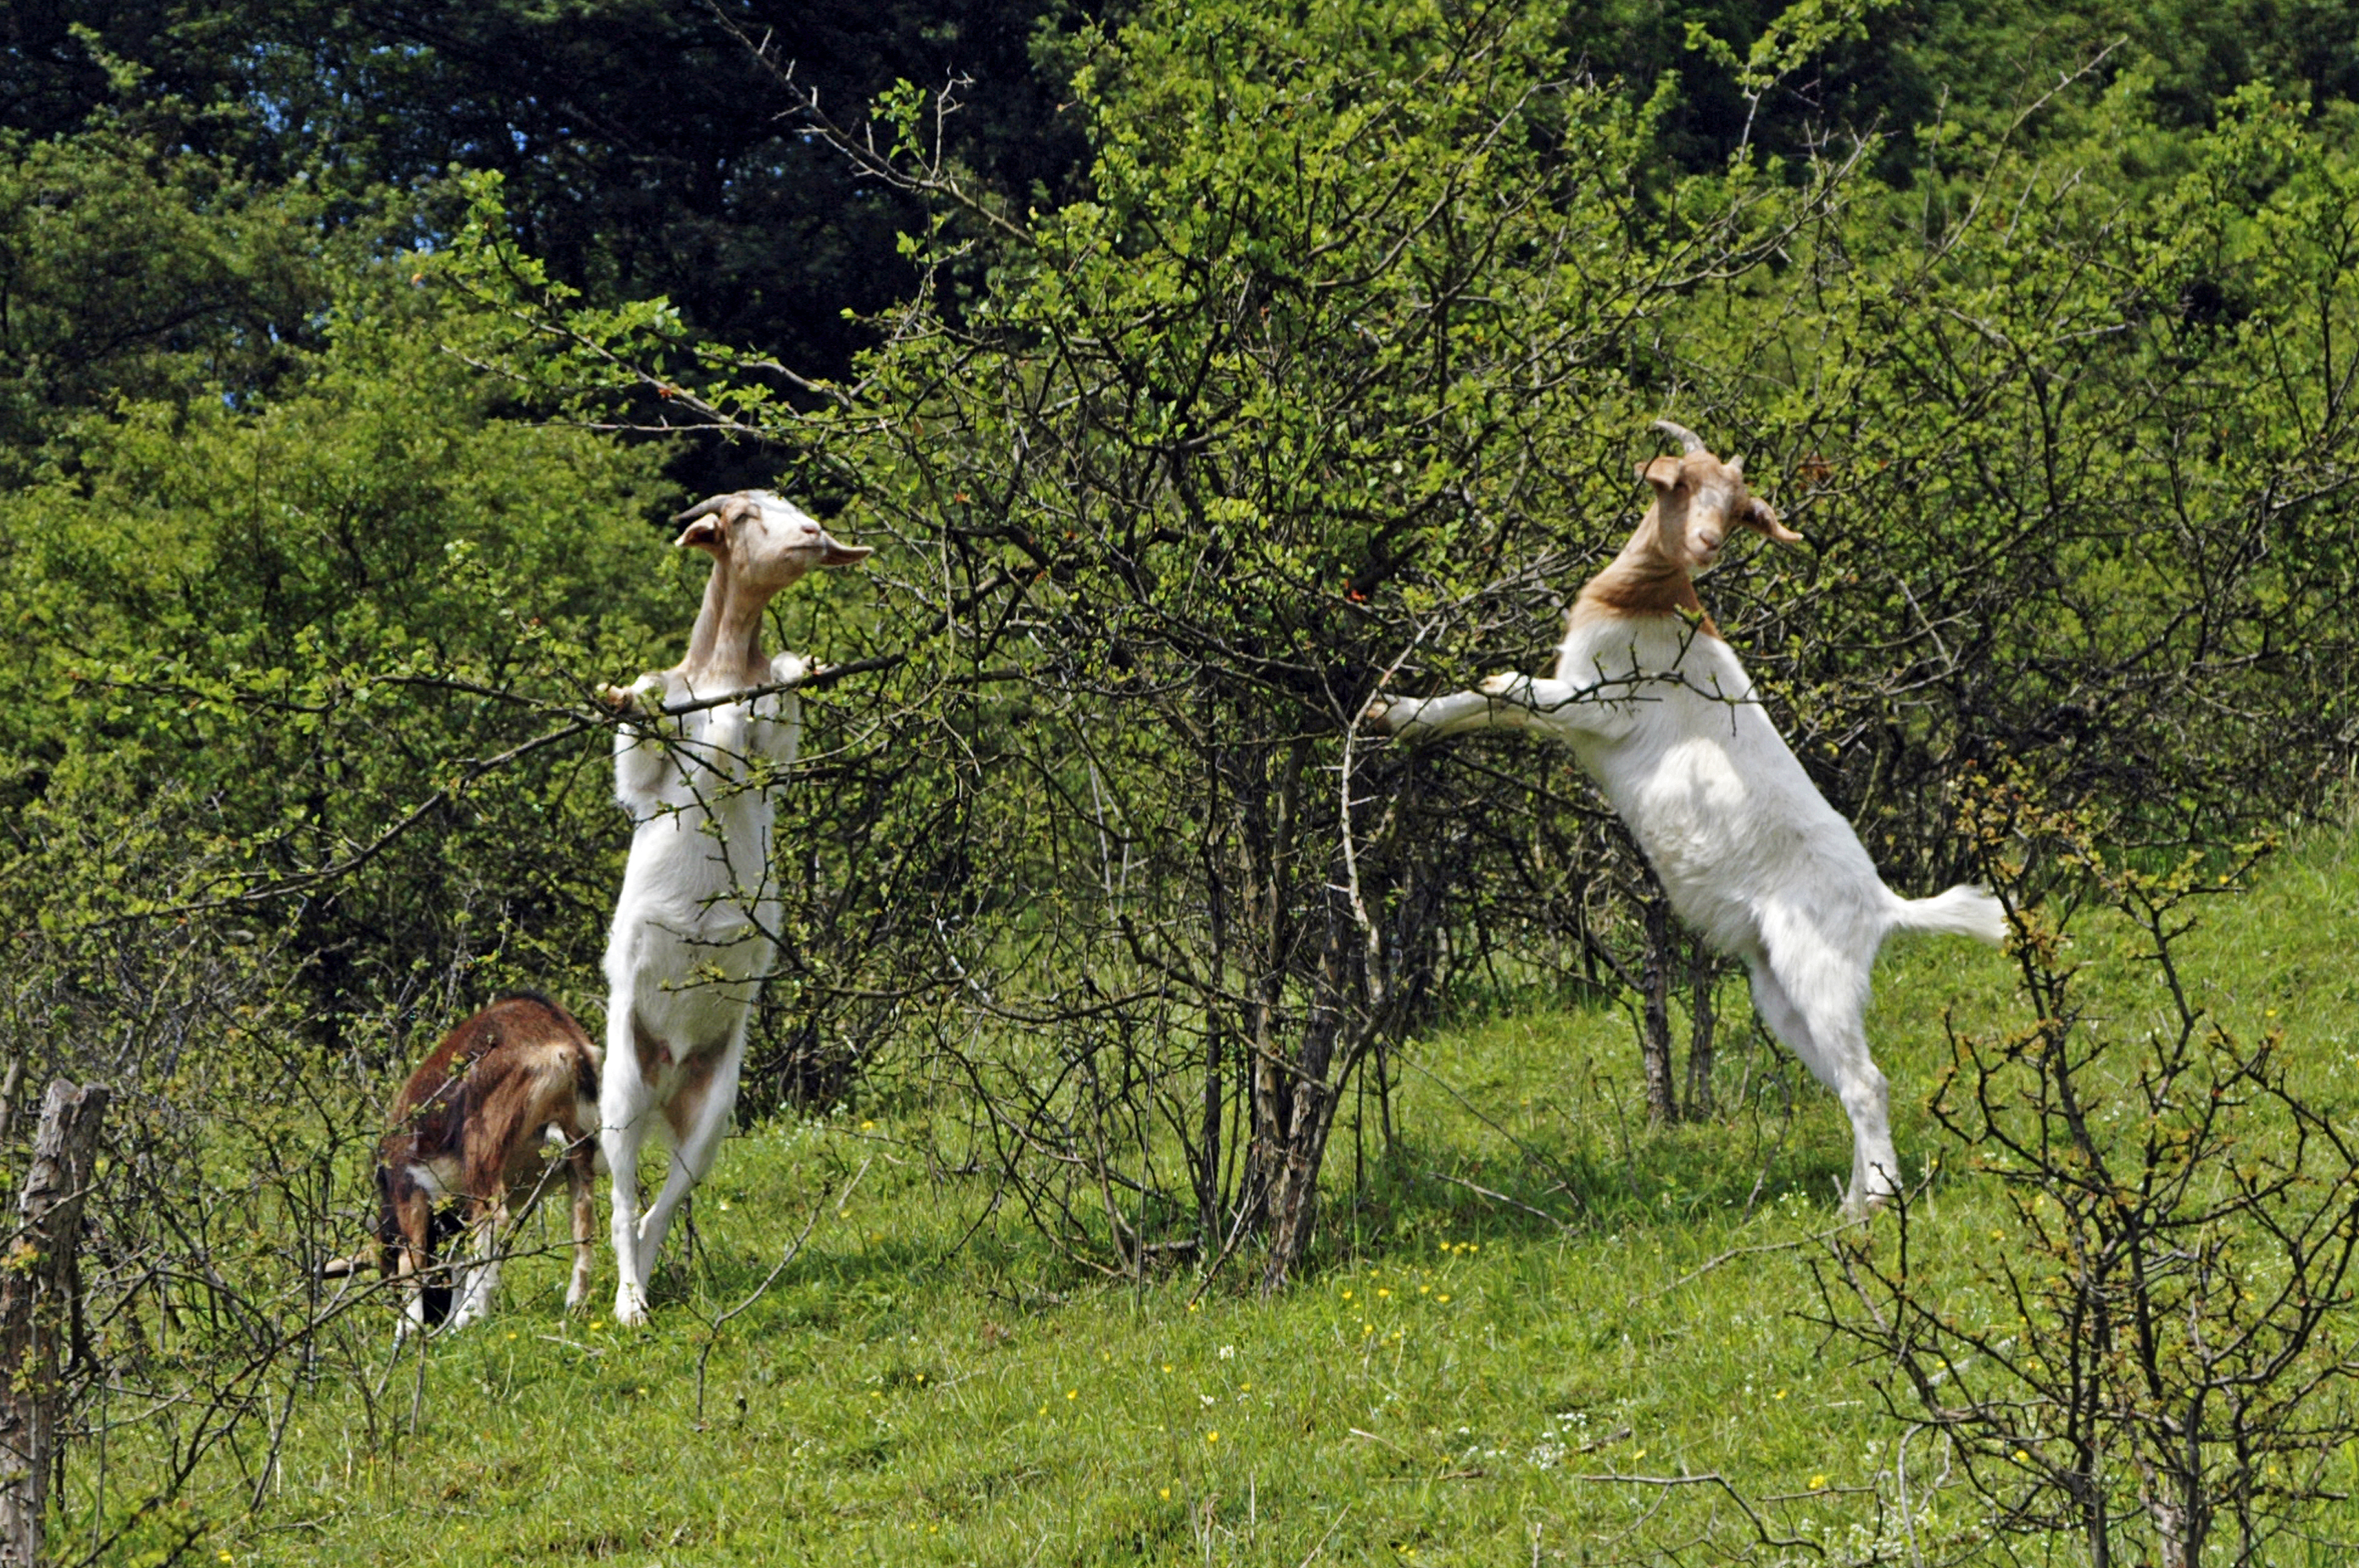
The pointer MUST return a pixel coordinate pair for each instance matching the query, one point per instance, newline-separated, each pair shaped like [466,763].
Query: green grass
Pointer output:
[1444,1388]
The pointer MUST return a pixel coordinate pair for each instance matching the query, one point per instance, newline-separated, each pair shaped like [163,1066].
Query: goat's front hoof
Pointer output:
[1397,716]
[630,1309]
[643,695]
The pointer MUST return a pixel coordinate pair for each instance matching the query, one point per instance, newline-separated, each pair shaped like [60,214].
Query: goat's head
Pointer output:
[766,541]
[1700,500]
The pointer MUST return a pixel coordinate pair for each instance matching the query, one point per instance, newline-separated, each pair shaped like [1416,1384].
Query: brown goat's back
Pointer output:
[469,1125]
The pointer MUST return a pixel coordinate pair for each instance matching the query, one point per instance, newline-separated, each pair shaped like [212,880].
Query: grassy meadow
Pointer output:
[1197,369]
[1532,1329]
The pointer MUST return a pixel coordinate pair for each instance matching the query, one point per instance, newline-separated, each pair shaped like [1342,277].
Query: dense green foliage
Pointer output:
[1331,381]
[1200,371]
[250,640]
[639,138]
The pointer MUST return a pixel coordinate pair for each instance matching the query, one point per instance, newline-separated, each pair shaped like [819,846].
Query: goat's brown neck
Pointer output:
[1643,580]
[727,638]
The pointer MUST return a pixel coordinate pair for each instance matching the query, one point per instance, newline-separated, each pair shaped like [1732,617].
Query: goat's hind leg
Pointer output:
[699,1113]
[1824,1027]
[625,1109]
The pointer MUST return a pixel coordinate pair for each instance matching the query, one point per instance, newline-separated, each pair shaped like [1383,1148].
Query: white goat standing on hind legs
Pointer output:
[1662,714]
[692,937]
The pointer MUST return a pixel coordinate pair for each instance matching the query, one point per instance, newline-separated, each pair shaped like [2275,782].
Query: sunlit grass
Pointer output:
[1459,1378]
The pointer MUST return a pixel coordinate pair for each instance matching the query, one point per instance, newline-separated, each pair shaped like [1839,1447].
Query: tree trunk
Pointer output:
[1208,1174]
[1294,1207]
[9,1085]
[1655,1036]
[1267,824]
[37,1283]
[1266,1154]
[1336,1037]
[1701,978]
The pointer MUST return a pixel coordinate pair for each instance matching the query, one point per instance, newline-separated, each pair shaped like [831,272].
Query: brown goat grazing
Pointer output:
[469,1127]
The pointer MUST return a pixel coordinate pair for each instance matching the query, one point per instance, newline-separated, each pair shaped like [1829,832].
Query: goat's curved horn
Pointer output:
[1689,440]
[704,508]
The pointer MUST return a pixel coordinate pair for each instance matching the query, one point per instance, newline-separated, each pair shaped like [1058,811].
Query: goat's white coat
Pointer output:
[1664,717]
[691,944]
[691,941]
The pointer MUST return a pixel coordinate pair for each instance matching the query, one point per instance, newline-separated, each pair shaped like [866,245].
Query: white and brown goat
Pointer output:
[695,924]
[1656,707]
[473,1127]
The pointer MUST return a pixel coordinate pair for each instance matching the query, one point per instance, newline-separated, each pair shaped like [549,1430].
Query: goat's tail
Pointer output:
[1961,912]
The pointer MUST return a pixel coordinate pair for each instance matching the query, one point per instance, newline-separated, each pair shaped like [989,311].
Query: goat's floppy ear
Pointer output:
[1663,473]
[1762,518]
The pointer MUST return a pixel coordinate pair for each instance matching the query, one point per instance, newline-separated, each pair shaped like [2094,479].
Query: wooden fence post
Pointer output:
[37,1282]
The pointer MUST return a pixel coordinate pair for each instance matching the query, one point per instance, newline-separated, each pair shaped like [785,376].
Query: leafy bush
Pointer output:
[1335,376]
[2154,1359]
